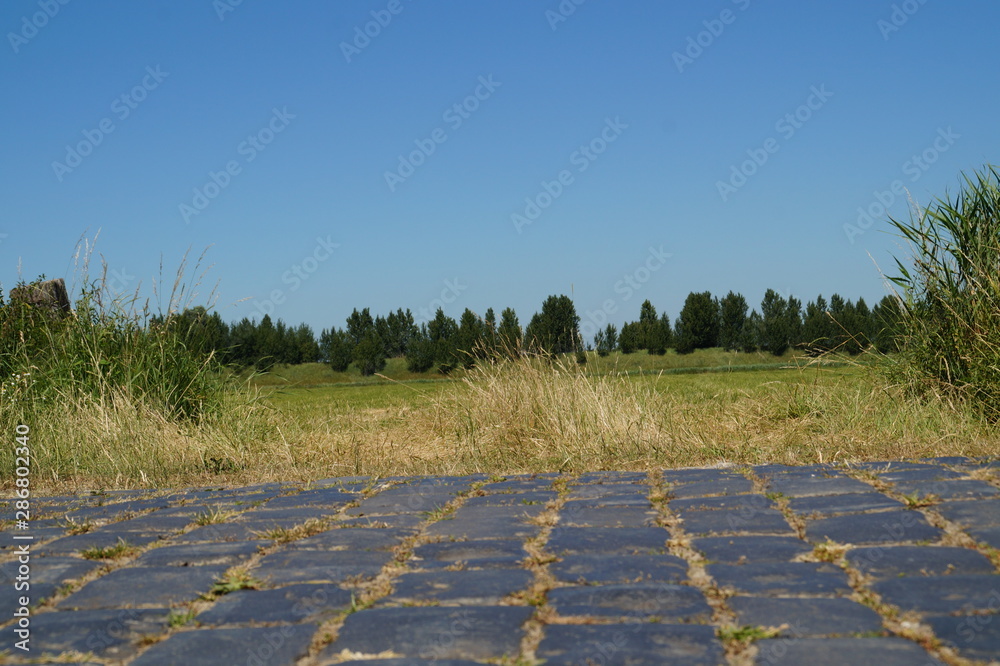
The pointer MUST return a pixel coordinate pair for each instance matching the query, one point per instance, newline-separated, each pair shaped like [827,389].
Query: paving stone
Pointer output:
[326,498]
[612,477]
[744,503]
[896,561]
[974,636]
[599,569]
[307,566]
[888,651]
[804,486]
[607,540]
[881,527]
[291,604]
[947,489]
[109,634]
[932,473]
[468,632]
[55,570]
[732,485]
[806,617]
[259,645]
[222,532]
[154,523]
[670,603]
[762,521]
[603,516]
[459,588]
[99,538]
[223,554]
[480,553]
[407,662]
[696,475]
[684,645]
[740,550]
[143,587]
[782,579]
[974,513]
[402,521]
[942,594]
[528,498]
[608,501]
[846,503]
[46,534]
[520,484]
[264,519]
[352,538]
[484,525]
[608,491]
[988,535]
[403,499]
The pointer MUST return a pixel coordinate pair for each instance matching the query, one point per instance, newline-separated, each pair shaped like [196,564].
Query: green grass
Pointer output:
[119,550]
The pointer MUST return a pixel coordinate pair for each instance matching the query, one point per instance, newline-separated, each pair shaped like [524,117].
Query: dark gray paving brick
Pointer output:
[291,604]
[224,554]
[942,594]
[459,588]
[606,540]
[222,532]
[670,603]
[110,634]
[100,538]
[697,474]
[896,561]
[480,553]
[740,550]
[974,636]
[143,587]
[468,632]
[156,523]
[327,499]
[880,527]
[611,491]
[56,570]
[608,516]
[930,473]
[259,645]
[684,645]
[410,522]
[888,651]
[730,485]
[403,499]
[740,503]
[352,538]
[307,566]
[612,477]
[520,484]
[487,524]
[761,521]
[846,503]
[782,579]
[974,513]
[408,662]
[988,535]
[528,498]
[947,489]
[263,519]
[806,486]
[599,569]
[806,617]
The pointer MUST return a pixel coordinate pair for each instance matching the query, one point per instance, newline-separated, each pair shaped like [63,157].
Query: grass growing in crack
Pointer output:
[73,527]
[285,534]
[121,549]
[233,580]
[181,618]
[747,634]
[213,516]
[916,501]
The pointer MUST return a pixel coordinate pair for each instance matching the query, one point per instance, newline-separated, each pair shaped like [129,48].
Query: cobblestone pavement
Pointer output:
[879,563]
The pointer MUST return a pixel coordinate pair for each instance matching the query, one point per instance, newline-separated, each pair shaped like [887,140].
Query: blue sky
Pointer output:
[407,153]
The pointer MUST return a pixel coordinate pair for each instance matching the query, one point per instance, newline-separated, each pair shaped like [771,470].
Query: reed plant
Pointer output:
[950,297]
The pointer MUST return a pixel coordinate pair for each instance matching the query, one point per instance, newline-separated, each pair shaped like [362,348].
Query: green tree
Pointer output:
[421,352]
[443,332]
[369,354]
[307,349]
[605,340]
[648,324]
[750,338]
[886,324]
[817,329]
[509,332]
[628,339]
[660,337]
[732,318]
[697,326]
[557,328]
[469,341]
[337,347]
[774,323]
[359,324]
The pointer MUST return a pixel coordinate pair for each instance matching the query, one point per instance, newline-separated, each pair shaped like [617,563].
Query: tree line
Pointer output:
[446,344]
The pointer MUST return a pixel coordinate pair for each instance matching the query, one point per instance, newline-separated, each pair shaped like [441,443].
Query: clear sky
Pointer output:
[414,153]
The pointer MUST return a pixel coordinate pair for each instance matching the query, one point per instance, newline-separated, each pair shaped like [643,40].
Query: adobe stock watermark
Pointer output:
[455,116]
[223,7]
[562,12]
[364,34]
[786,127]
[248,149]
[595,320]
[297,274]
[581,159]
[915,167]
[697,44]
[30,25]
[449,294]
[900,15]
[122,107]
